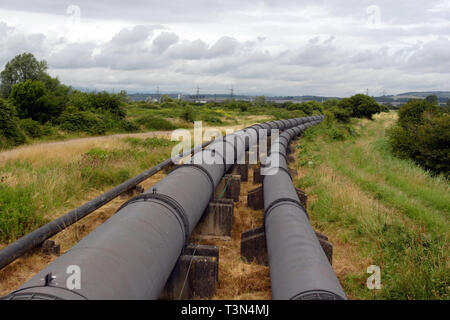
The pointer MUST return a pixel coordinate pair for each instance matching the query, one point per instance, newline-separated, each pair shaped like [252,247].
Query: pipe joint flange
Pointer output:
[281,168]
[279,202]
[180,213]
[317,295]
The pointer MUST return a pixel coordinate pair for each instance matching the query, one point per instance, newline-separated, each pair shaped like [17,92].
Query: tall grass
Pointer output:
[32,192]
[395,213]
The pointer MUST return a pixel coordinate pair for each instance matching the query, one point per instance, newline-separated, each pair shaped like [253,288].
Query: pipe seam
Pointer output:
[282,201]
[165,199]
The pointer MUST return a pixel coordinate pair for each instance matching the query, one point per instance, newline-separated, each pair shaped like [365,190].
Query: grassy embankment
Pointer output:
[41,183]
[378,209]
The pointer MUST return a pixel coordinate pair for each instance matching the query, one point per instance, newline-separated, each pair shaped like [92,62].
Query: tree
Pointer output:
[411,113]
[432,99]
[260,101]
[29,99]
[21,68]
[107,102]
[10,133]
[362,106]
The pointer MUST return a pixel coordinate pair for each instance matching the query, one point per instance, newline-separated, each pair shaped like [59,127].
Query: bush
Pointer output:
[331,129]
[108,102]
[32,128]
[188,114]
[212,119]
[422,133]
[361,106]
[10,132]
[341,114]
[411,113]
[155,123]
[85,121]
[151,142]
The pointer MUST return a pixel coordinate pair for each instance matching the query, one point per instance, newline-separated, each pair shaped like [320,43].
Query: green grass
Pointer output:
[392,211]
[32,194]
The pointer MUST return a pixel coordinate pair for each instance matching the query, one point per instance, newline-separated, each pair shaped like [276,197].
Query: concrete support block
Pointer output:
[233,189]
[257,178]
[290,158]
[242,170]
[292,172]
[255,199]
[289,149]
[303,197]
[49,247]
[327,248]
[217,221]
[195,275]
[229,188]
[253,246]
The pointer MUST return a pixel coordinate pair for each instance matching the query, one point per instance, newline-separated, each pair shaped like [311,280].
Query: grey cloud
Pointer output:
[13,43]
[225,46]
[433,56]
[74,55]
[189,50]
[132,36]
[164,40]
[263,46]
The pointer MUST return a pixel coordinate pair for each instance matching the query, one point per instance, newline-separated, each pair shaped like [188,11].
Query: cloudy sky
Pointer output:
[284,47]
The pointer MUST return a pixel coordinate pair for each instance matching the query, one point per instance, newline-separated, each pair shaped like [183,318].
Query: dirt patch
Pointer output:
[237,279]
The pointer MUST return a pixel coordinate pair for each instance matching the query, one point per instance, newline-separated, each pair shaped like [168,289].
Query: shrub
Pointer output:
[85,121]
[10,132]
[108,102]
[32,128]
[155,123]
[188,114]
[210,118]
[411,113]
[422,133]
[331,129]
[361,106]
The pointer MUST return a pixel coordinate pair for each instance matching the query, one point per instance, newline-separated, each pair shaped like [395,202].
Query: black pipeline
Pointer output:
[36,237]
[299,269]
[132,254]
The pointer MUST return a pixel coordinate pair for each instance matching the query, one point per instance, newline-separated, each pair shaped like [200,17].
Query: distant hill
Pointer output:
[439,94]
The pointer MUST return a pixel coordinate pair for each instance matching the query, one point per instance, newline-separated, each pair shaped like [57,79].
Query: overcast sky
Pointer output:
[284,47]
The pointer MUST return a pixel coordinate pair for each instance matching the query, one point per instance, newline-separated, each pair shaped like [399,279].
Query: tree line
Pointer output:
[33,104]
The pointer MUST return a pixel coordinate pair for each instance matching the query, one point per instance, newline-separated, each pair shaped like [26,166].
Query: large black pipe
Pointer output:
[132,254]
[299,268]
[36,237]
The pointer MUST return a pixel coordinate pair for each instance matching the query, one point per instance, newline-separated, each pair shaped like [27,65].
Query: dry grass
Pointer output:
[25,267]
[239,280]
[64,151]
